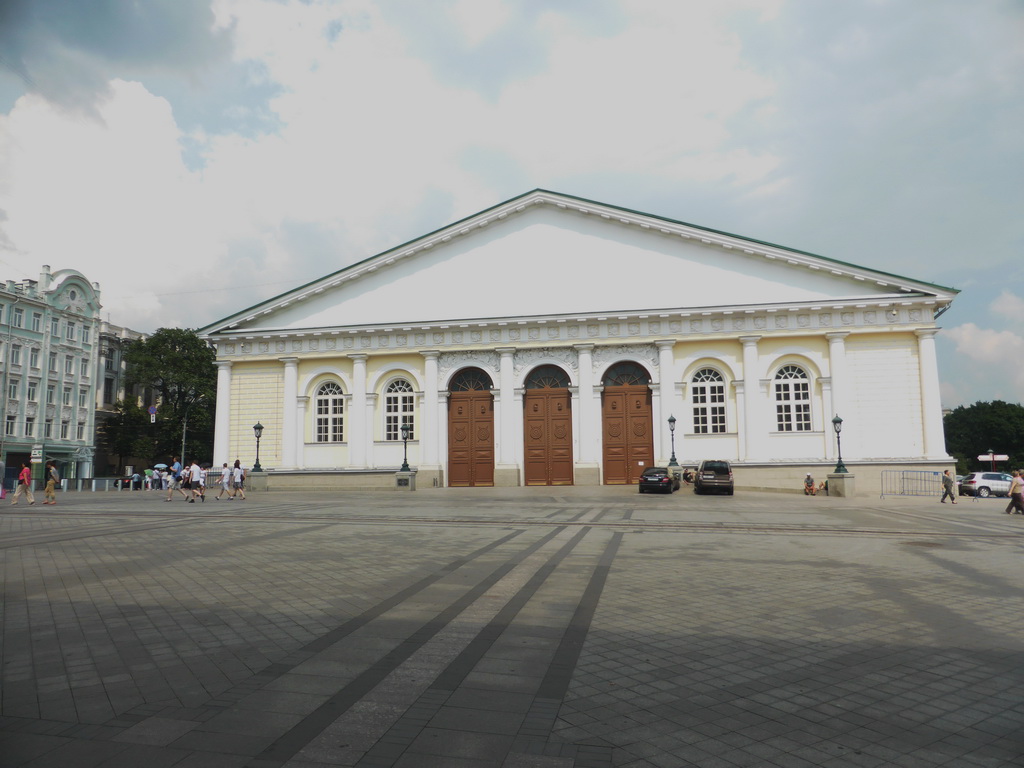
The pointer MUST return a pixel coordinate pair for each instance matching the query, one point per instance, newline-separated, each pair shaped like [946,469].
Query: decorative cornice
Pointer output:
[744,325]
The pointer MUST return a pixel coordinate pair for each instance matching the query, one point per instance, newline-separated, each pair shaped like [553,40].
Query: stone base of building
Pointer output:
[586,474]
[771,477]
[506,476]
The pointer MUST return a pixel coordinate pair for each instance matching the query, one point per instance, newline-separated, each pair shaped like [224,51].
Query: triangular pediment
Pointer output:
[550,255]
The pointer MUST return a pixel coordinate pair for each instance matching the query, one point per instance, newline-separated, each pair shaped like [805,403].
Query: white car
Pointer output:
[985,484]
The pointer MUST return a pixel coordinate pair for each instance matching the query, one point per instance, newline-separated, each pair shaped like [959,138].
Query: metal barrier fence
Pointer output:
[908,482]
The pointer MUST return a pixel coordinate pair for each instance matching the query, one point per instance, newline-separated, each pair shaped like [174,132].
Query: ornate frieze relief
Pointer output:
[554,334]
[527,358]
[642,353]
[452,361]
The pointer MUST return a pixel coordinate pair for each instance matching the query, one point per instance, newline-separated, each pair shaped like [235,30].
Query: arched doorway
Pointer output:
[470,429]
[547,424]
[626,423]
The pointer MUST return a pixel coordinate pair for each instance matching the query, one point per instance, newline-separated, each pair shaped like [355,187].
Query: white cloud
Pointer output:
[1009,305]
[996,369]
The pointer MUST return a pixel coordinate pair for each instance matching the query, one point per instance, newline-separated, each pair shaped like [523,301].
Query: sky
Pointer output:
[195,157]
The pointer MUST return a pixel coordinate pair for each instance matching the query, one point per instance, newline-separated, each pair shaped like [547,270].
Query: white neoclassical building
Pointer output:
[547,341]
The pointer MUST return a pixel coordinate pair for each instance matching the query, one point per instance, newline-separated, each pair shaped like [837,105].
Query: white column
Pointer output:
[666,390]
[828,410]
[507,406]
[222,421]
[301,409]
[589,412]
[369,414]
[840,375]
[931,400]
[741,418]
[753,421]
[430,434]
[288,415]
[360,427]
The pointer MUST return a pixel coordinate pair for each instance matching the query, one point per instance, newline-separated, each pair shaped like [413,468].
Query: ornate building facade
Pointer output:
[49,347]
[547,341]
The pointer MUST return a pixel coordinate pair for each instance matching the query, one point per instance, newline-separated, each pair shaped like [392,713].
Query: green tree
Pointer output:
[128,435]
[179,367]
[976,429]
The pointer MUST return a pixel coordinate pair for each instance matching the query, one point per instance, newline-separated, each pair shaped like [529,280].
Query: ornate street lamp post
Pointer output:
[837,425]
[672,431]
[405,446]
[258,431]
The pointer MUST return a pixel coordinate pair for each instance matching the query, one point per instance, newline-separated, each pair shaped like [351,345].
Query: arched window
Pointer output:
[792,399]
[470,380]
[398,409]
[624,374]
[547,377]
[708,402]
[330,414]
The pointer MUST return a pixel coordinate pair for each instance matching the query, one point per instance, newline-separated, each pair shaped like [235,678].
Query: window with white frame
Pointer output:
[708,388]
[33,391]
[48,428]
[15,354]
[67,396]
[51,394]
[53,362]
[83,397]
[69,365]
[17,317]
[69,331]
[80,432]
[30,426]
[86,333]
[33,357]
[13,385]
[330,413]
[84,368]
[9,426]
[398,409]
[64,430]
[37,322]
[792,399]
[54,326]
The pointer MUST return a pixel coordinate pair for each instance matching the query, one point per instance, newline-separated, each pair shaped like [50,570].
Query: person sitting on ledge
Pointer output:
[809,488]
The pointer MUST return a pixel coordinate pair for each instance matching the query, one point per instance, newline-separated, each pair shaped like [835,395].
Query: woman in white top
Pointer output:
[238,474]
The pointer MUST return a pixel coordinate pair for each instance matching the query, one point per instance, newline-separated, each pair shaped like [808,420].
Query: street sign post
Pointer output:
[993,458]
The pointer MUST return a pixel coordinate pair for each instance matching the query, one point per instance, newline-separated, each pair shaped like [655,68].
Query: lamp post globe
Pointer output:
[405,446]
[672,432]
[258,431]
[837,425]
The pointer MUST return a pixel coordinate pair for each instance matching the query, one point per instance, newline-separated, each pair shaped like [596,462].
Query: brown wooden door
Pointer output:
[627,433]
[548,436]
[470,439]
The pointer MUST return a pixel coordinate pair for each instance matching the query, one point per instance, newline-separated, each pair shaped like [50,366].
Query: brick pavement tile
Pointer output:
[155,731]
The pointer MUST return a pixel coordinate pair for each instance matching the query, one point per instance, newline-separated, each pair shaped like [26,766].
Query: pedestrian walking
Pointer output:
[194,475]
[1016,504]
[24,486]
[238,478]
[947,487]
[174,480]
[52,480]
[225,481]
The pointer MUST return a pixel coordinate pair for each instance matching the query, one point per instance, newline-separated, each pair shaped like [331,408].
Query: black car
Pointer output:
[713,475]
[659,479]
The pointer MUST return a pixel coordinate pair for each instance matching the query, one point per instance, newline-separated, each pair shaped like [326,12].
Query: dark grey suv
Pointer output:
[713,475]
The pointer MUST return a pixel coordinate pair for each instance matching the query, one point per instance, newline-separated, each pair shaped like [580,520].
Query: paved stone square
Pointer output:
[515,628]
